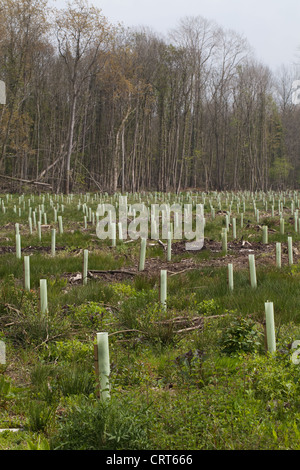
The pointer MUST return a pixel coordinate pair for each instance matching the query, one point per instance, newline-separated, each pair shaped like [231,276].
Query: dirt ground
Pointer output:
[237,254]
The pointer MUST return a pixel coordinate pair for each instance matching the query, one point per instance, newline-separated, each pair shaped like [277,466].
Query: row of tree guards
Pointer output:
[102,347]
[102,343]
[252,267]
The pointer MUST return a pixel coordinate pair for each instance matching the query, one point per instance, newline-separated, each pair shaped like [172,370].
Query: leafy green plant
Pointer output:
[6,393]
[41,444]
[91,315]
[123,290]
[274,377]
[241,335]
[208,307]
[68,351]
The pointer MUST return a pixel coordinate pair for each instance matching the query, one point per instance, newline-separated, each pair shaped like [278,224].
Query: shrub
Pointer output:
[241,335]
[90,315]
[208,307]
[68,351]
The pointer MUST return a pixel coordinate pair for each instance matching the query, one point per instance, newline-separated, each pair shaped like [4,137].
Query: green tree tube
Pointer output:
[18,246]
[230,276]
[30,225]
[234,228]
[264,234]
[253,280]
[43,296]
[242,220]
[278,254]
[224,241]
[103,365]
[53,241]
[60,224]
[163,288]
[296,217]
[27,273]
[290,250]
[39,228]
[17,228]
[270,327]
[282,225]
[113,234]
[169,247]
[142,254]
[34,219]
[85,267]
[227,221]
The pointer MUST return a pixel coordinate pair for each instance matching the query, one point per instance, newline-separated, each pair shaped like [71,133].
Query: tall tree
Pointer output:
[23,30]
[81,31]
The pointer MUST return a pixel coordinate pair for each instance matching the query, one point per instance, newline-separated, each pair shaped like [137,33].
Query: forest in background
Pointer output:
[95,106]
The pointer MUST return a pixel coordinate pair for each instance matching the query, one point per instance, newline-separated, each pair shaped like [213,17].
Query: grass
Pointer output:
[174,386]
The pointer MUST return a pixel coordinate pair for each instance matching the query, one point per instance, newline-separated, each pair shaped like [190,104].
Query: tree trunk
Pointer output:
[70,143]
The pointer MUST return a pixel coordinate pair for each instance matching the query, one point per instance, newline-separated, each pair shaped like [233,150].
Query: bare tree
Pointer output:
[81,31]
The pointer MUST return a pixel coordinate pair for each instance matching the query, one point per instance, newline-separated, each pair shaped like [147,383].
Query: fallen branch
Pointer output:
[162,244]
[191,328]
[180,320]
[12,308]
[22,180]
[112,271]
[201,319]
[183,271]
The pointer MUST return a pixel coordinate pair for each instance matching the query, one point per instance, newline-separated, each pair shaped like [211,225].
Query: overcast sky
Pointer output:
[272,27]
